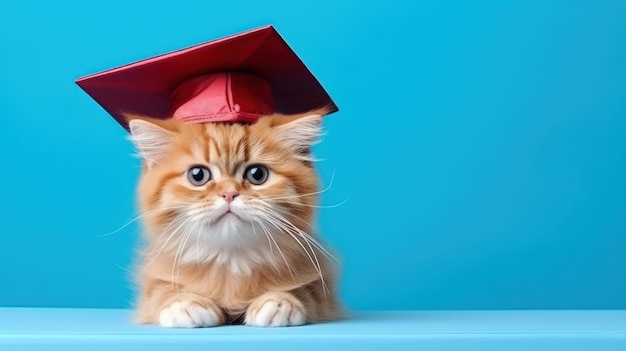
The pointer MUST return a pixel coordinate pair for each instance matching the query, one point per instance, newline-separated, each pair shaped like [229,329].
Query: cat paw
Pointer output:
[275,309]
[188,314]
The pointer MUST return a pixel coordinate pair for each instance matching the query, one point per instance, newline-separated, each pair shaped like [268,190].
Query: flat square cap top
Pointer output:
[237,79]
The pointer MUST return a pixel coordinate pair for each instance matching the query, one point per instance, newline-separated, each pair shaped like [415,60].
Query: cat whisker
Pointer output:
[313,258]
[309,240]
[123,268]
[315,242]
[134,219]
[190,214]
[330,184]
[282,224]
[269,235]
[268,207]
[198,244]
[314,206]
[163,246]
[182,246]
[174,221]
[255,220]
[296,196]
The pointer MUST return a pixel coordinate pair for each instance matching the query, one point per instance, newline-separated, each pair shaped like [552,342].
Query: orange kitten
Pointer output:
[227,212]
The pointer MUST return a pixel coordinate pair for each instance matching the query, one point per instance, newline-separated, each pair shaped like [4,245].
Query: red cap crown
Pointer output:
[219,97]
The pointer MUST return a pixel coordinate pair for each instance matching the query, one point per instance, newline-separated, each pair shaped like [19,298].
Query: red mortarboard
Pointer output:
[237,79]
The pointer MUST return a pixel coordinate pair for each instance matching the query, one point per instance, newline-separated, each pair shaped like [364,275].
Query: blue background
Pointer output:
[481,146]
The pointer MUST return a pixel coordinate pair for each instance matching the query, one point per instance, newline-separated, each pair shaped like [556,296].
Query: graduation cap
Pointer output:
[238,78]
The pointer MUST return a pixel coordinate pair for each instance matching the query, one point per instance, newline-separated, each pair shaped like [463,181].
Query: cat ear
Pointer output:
[151,138]
[300,133]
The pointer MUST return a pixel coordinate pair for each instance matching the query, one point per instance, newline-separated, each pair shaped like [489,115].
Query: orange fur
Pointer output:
[239,273]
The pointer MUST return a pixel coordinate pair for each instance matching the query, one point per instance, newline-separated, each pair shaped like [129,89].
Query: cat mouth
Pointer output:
[227,215]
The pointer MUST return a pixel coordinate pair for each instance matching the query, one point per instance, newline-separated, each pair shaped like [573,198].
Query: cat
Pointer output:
[226,211]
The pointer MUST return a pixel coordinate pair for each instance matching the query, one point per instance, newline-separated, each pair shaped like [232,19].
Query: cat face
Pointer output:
[236,194]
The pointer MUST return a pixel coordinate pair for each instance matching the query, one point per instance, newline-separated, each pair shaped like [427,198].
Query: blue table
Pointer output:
[108,329]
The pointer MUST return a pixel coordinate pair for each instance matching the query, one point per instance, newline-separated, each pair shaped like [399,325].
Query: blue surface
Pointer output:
[80,329]
[481,146]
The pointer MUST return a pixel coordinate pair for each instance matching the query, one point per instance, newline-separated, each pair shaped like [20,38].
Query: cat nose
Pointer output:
[229,195]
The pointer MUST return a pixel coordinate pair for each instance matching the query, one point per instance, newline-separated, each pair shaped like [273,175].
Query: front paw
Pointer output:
[275,309]
[189,314]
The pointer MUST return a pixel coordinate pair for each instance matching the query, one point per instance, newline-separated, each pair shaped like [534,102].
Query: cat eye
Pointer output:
[256,174]
[198,176]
